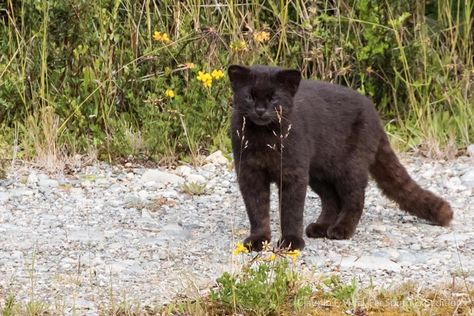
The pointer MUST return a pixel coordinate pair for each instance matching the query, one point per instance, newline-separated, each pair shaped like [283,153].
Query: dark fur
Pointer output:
[335,140]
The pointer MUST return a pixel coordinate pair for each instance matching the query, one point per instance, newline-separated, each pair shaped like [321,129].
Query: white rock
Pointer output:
[84,235]
[217,158]
[161,177]
[22,192]
[32,178]
[470,150]
[196,178]
[50,183]
[454,183]
[4,196]
[184,170]
[143,194]
[369,263]
[467,179]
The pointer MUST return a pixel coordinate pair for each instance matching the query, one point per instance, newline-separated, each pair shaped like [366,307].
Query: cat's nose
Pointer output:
[260,111]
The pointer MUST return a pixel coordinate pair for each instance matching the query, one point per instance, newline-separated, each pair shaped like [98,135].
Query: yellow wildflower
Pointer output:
[169,93]
[157,36]
[238,46]
[261,36]
[165,38]
[240,248]
[200,75]
[161,37]
[205,78]
[217,74]
[272,257]
[207,83]
[294,254]
[190,65]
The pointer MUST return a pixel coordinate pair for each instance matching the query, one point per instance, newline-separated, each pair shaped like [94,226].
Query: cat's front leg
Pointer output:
[292,197]
[255,189]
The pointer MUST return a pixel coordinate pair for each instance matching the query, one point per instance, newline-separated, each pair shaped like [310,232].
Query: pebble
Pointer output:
[470,150]
[196,178]
[216,158]
[109,232]
[161,177]
[369,263]
[4,196]
[184,170]
[467,179]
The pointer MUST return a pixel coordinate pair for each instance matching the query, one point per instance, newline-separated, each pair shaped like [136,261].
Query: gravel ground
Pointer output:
[107,234]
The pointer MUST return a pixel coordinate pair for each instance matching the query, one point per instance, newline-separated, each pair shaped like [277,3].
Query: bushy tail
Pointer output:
[395,183]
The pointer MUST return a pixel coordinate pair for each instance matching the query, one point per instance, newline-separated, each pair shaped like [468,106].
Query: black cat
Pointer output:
[297,133]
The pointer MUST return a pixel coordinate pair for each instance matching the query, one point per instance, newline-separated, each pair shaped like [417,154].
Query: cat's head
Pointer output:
[262,93]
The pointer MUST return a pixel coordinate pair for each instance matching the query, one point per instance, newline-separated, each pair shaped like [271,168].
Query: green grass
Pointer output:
[80,76]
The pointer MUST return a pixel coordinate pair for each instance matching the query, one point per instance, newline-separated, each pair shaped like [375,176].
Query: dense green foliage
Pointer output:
[93,76]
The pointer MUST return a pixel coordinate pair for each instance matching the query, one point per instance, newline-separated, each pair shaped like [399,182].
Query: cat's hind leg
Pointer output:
[351,190]
[330,209]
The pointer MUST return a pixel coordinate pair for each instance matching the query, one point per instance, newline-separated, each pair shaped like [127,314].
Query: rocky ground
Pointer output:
[106,234]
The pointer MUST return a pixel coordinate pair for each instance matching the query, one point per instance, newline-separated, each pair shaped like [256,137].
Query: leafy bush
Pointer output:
[106,68]
[267,285]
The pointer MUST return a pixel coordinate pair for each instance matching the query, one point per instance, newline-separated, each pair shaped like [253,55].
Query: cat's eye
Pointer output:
[249,98]
[274,101]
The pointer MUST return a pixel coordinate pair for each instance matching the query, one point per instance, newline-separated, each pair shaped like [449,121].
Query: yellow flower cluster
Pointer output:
[238,46]
[294,254]
[190,65]
[261,36]
[240,248]
[272,257]
[161,37]
[217,74]
[169,93]
[206,77]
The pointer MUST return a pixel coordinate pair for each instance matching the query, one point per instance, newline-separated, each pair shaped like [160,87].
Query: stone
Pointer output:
[370,263]
[467,179]
[21,192]
[32,178]
[184,170]
[84,235]
[470,150]
[161,177]
[48,183]
[4,196]
[216,158]
[174,231]
[196,178]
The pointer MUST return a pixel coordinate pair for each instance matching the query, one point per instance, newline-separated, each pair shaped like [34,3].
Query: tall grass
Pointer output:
[97,72]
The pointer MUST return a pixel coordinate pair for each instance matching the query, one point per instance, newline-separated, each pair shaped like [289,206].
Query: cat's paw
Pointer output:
[340,232]
[291,242]
[255,242]
[316,230]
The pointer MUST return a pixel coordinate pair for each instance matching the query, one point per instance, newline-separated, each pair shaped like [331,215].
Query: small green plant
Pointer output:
[339,290]
[267,285]
[9,306]
[3,169]
[193,188]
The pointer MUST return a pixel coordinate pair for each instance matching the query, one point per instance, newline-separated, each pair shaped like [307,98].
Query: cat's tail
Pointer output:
[395,183]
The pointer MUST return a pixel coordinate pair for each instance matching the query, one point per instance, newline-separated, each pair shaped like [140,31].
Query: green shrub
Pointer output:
[101,68]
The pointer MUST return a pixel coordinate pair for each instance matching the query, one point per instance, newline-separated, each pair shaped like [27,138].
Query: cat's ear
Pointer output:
[238,75]
[289,79]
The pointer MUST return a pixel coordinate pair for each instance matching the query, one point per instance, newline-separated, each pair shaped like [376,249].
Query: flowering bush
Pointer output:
[266,283]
